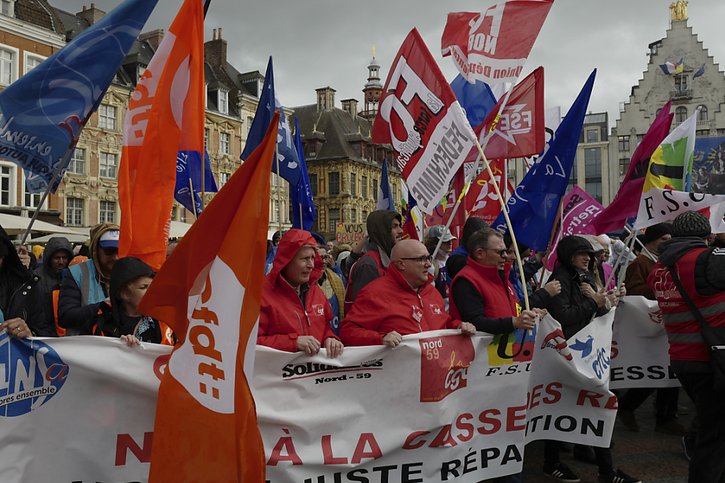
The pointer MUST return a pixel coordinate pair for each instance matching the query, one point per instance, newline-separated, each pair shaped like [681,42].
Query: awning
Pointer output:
[16,225]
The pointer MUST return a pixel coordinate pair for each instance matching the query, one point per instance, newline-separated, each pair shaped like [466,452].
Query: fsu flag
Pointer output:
[209,292]
[165,115]
[492,46]
[421,118]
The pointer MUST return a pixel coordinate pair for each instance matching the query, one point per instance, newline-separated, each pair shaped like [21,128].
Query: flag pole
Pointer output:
[554,231]
[203,188]
[193,201]
[279,195]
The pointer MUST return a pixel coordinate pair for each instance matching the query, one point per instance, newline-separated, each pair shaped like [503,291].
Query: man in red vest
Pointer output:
[701,271]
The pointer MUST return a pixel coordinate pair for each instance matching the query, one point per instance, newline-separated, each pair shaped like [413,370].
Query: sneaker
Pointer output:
[618,476]
[628,420]
[687,445]
[670,427]
[561,472]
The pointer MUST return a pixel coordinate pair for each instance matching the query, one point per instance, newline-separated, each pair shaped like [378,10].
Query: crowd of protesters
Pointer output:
[318,294]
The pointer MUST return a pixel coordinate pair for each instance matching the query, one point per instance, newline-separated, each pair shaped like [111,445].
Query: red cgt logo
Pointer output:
[444,364]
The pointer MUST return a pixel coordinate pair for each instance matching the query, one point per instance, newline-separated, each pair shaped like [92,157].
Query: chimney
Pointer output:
[325,98]
[215,50]
[350,106]
[153,38]
[92,14]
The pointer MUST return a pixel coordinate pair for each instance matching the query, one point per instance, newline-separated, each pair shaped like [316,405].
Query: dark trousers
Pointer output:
[708,459]
[603,455]
[665,401]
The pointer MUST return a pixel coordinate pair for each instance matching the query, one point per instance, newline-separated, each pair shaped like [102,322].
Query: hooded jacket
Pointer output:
[377,254]
[285,315]
[571,308]
[391,304]
[20,295]
[76,308]
[49,279]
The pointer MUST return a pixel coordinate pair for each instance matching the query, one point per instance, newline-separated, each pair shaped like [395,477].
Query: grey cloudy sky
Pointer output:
[316,43]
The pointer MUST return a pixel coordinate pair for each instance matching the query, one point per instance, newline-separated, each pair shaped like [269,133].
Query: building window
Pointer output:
[702,133]
[593,162]
[680,114]
[223,178]
[7,183]
[250,120]
[592,136]
[107,212]
[8,59]
[353,215]
[224,142]
[334,187]
[31,62]
[223,99]
[375,190]
[623,166]
[333,217]
[107,117]
[109,165]
[7,7]
[702,113]
[74,211]
[206,137]
[32,200]
[313,184]
[623,142]
[274,207]
[353,184]
[77,164]
[681,83]
[594,188]
[364,216]
[364,184]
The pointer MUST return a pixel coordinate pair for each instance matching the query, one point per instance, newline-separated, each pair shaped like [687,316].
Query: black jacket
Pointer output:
[48,279]
[709,266]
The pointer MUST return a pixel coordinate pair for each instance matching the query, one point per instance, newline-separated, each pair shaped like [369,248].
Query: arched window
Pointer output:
[680,114]
[702,115]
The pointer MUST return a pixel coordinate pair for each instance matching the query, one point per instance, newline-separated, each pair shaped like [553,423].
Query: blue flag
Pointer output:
[534,206]
[475,98]
[42,113]
[286,161]
[188,180]
[385,199]
[301,193]
[699,72]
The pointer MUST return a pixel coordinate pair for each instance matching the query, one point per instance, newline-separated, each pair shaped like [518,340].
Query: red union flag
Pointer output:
[519,131]
[421,118]
[492,46]
[481,199]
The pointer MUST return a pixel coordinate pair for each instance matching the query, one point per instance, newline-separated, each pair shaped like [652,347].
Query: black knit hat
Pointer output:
[691,223]
[657,231]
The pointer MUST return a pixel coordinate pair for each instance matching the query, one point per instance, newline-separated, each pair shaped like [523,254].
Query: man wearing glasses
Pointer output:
[400,303]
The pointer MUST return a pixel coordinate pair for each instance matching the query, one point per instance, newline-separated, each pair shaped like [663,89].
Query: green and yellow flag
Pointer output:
[671,163]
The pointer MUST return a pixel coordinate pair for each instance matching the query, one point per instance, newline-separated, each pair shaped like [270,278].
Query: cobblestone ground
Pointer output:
[651,456]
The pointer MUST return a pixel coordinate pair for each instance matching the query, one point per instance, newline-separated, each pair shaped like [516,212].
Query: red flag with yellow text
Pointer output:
[209,292]
[165,115]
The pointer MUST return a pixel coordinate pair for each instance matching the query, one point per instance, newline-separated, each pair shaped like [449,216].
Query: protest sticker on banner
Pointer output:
[350,233]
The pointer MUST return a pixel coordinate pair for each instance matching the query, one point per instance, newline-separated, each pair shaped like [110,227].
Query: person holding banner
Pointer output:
[295,314]
[689,277]
[402,302]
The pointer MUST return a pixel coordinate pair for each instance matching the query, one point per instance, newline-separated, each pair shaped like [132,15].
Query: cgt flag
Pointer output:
[42,113]
[165,115]
[421,118]
[492,46]
[209,292]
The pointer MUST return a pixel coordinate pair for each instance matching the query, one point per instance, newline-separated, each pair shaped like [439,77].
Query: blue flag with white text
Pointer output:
[385,198]
[476,98]
[534,206]
[286,162]
[42,113]
[301,193]
[188,180]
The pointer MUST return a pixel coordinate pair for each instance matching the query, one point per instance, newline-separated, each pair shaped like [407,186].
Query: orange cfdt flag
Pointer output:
[165,115]
[209,292]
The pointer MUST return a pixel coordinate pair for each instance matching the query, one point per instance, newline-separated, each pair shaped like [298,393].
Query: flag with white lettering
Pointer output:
[481,199]
[209,292]
[492,46]
[421,118]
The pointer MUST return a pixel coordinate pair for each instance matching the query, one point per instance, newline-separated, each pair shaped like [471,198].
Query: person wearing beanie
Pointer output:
[636,283]
[701,271]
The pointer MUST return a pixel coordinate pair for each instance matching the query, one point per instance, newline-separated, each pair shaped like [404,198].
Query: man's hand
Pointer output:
[553,288]
[541,313]
[333,347]
[308,344]
[392,339]
[589,292]
[130,340]
[467,328]
[17,328]
[526,320]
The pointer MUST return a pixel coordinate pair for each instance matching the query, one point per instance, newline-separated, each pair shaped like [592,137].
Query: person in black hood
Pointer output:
[20,299]
[459,257]
[384,230]
[56,257]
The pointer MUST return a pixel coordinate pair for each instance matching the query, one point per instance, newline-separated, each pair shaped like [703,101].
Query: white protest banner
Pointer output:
[640,355]
[659,205]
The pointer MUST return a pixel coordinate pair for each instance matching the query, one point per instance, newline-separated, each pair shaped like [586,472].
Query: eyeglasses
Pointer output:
[423,259]
[501,253]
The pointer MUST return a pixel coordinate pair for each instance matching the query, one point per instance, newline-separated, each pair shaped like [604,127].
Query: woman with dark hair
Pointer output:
[130,278]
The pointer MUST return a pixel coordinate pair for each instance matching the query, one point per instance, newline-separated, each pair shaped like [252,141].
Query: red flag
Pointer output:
[492,46]
[519,130]
[481,199]
[626,203]
[209,292]
[165,115]
[420,117]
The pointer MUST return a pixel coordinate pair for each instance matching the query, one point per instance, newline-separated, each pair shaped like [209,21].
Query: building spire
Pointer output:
[678,10]
[372,90]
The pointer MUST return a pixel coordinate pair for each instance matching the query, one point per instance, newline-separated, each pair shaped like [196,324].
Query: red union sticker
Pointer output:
[444,363]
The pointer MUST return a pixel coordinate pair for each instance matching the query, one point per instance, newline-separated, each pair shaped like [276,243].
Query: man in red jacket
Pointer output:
[295,314]
[401,302]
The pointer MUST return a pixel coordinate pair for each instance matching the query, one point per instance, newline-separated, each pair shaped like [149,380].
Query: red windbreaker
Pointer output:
[282,317]
[389,304]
